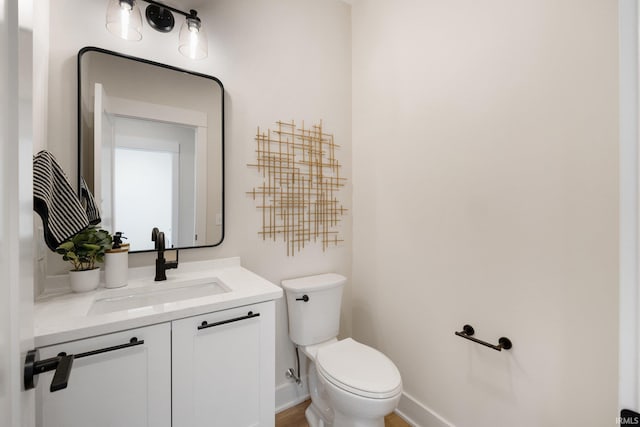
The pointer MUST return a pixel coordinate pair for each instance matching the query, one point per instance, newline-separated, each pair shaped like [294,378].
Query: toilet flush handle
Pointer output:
[304,298]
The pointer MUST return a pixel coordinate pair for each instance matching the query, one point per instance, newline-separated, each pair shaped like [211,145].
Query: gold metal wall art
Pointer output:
[301,179]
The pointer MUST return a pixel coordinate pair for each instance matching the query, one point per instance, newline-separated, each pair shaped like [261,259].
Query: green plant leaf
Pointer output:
[66,246]
[86,248]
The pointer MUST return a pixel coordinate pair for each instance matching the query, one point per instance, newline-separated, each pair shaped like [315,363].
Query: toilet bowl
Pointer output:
[351,384]
[361,383]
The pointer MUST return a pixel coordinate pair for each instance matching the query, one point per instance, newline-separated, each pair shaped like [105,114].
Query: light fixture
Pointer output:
[192,42]
[124,20]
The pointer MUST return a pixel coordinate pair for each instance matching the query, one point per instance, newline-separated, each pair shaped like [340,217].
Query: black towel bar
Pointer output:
[468,331]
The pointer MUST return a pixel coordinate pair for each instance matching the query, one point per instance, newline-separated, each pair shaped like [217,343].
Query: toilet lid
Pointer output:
[359,369]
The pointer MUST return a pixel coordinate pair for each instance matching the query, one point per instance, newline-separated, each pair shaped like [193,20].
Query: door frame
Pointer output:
[16,212]
[629,303]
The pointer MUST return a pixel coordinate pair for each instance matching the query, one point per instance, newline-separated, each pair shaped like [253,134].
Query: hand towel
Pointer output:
[89,203]
[55,201]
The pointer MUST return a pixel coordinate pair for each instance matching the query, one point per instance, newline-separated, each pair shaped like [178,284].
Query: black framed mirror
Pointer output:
[151,148]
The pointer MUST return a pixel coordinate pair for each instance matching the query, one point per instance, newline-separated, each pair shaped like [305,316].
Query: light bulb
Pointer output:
[125,12]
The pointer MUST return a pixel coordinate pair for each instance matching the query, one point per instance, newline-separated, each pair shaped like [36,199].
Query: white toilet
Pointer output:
[351,384]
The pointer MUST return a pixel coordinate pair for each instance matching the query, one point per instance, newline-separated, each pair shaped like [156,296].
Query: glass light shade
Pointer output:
[192,41]
[124,19]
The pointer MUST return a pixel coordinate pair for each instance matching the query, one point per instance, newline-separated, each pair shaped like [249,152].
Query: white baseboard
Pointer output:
[290,394]
[418,415]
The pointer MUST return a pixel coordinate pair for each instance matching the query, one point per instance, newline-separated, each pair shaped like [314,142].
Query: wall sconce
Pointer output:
[125,21]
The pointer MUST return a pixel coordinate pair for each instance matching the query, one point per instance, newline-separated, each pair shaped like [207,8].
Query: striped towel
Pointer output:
[55,201]
[89,203]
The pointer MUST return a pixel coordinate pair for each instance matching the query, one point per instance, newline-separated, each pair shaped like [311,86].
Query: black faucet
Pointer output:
[161,263]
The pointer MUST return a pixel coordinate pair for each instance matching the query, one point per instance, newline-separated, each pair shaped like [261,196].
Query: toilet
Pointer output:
[351,384]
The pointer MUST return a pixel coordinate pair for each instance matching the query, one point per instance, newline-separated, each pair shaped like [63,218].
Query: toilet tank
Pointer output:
[318,318]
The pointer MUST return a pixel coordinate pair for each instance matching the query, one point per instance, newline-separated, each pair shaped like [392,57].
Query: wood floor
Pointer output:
[294,417]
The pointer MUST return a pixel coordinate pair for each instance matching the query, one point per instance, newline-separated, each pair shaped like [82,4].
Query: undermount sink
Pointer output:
[158,293]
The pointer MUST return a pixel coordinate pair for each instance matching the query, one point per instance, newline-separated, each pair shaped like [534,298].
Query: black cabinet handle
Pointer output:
[63,371]
[304,298]
[62,364]
[249,315]
[132,343]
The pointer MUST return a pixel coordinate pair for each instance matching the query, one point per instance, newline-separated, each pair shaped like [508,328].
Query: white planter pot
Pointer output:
[85,280]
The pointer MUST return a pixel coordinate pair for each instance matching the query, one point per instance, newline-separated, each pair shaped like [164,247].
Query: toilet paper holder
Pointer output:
[468,331]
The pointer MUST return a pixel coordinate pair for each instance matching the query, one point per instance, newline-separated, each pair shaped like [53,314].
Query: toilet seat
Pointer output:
[359,369]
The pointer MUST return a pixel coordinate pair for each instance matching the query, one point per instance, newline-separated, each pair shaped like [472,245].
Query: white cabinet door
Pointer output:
[126,387]
[223,369]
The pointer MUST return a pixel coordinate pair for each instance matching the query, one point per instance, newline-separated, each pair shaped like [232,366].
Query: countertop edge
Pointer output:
[48,339]
[64,318]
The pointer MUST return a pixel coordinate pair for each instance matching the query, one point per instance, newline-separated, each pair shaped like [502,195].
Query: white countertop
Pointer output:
[63,316]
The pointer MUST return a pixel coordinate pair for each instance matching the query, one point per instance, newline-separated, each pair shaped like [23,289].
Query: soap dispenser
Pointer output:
[116,263]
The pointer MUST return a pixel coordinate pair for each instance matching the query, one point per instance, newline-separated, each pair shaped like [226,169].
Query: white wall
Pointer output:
[278,60]
[485,174]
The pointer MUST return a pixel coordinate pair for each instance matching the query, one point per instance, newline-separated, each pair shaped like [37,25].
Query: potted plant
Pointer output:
[83,251]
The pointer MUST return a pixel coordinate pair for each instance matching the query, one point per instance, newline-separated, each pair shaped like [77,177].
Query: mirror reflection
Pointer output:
[151,149]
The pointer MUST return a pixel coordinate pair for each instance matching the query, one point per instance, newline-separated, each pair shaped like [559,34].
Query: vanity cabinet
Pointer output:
[215,369]
[129,387]
[223,368]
